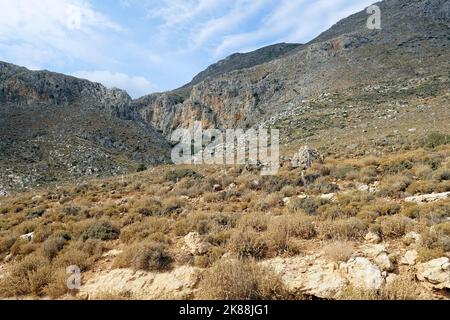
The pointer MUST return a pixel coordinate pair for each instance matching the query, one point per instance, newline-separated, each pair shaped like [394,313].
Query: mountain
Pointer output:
[412,47]
[55,128]
[238,61]
[347,87]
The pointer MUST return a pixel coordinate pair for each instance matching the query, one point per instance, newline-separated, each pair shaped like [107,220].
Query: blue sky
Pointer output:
[144,46]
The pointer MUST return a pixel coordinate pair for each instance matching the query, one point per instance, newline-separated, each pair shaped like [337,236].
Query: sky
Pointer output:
[145,46]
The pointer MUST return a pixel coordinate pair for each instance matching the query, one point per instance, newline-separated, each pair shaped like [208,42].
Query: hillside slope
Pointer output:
[54,128]
[413,44]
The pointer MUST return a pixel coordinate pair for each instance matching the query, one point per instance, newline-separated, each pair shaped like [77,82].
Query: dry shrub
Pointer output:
[269,202]
[343,229]
[52,246]
[142,230]
[72,256]
[368,174]
[434,244]
[393,186]
[340,251]
[299,226]
[423,187]
[280,234]
[28,276]
[101,231]
[256,221]
[394,226]
[58,284]
[147,257]
[248,244]
[405,287]
[241,280]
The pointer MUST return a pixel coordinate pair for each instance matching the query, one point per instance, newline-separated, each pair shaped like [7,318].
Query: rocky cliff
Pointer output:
[413,42]
[55,128]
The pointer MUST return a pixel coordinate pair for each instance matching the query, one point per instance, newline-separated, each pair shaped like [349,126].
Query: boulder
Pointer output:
[177,284]
[362,273]
[383,261]
[309,275]
[412,238]
[410,258]
[436,273]
[217,187]
[195,244]
[28,236]
[372,238]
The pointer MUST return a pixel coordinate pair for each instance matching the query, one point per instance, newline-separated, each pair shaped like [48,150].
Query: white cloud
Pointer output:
[135,86]
[291,21]
[63,29]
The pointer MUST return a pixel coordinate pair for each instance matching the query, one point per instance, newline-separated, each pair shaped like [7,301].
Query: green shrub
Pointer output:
[102,231]
[436,139]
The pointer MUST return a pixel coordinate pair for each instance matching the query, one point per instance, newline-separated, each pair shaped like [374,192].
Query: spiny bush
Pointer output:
[248,244]
[147,257]
[102,231]
[343,229]
[241,280]
[28,276]
[392,186]
[178,174]
[436,139]
[340,251]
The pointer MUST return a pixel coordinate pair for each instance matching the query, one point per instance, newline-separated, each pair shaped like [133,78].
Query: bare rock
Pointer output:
[372,237]
[436,273]
[428,197]
[412,238]
[177,284]
[383,261]
[217,188]
[410,258]
[363,274]
[195,244]
[309,275]
[28,236]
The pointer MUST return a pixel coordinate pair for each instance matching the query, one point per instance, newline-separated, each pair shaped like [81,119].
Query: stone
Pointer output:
[372,237]
[391,278]
[178,284]
[28,236]
[195,244]
[8,258]
[286,200]
[428,197]
[383,261]
[436,273]
[373,250]
[217,187]
[310,275]
[363,188]
[362,273]
[410,258]
[412,238]
[328,196]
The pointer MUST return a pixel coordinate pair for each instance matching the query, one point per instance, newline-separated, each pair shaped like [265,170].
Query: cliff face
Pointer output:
[55,128]
[413,41]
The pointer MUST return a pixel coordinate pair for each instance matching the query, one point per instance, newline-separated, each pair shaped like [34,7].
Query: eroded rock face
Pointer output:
[363,274]
[309,275]
[435,272]
[428,197]
[177,284]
